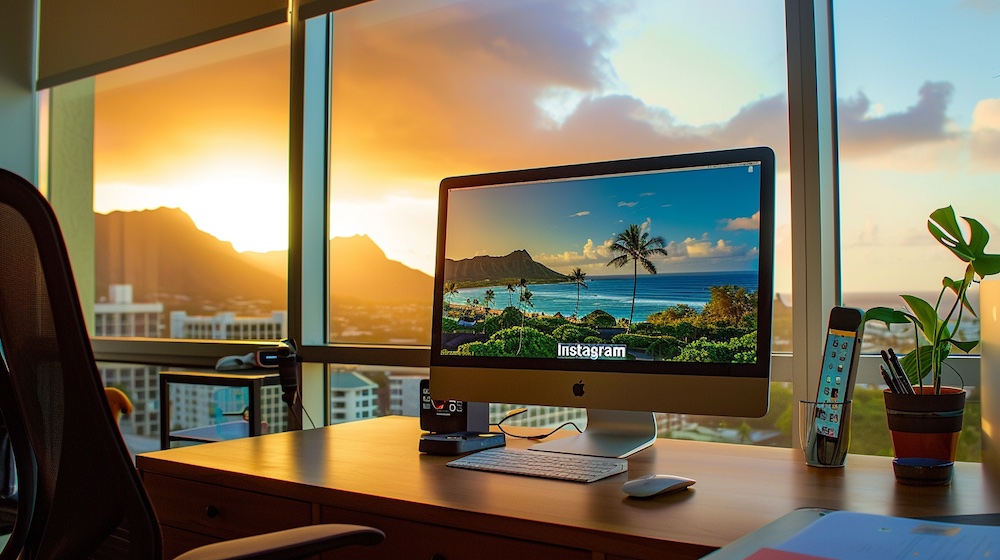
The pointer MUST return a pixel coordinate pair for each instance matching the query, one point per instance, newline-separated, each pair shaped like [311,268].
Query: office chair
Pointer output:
[79,495]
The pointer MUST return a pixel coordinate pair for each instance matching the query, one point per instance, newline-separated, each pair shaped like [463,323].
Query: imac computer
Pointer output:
[624,287]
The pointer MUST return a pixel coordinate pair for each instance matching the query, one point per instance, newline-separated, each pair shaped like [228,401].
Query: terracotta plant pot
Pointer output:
[925,425]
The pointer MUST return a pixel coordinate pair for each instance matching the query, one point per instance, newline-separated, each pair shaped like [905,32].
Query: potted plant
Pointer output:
[925,424]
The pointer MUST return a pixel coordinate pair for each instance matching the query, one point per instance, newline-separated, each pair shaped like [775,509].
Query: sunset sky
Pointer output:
[464,86]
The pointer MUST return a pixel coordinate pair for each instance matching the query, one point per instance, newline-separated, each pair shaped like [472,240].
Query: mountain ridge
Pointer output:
[166,258]
[515,265]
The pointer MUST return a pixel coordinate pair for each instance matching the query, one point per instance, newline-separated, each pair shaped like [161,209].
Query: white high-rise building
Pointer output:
[228,326]
[118,315]
[404,393]
[352,397]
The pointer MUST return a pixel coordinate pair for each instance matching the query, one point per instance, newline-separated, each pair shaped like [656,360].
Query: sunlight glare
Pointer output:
[403,226]
[246,208]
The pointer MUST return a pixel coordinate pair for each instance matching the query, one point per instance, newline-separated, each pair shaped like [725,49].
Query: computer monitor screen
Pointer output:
[626,287]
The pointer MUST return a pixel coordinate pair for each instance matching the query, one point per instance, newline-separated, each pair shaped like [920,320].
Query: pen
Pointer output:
[904,381]
[889,380]
[891,370]
[888,364]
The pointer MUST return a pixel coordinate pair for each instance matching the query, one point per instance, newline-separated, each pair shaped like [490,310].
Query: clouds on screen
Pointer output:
[745,223]
[690,253]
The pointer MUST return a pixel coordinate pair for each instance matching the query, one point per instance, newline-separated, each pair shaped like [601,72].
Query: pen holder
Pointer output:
[825,432]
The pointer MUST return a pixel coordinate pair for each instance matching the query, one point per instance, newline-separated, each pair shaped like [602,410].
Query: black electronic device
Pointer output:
[264,357]
[268,356]
[450,416]
[518,238]
[288,362]
[459,442]
[829,431]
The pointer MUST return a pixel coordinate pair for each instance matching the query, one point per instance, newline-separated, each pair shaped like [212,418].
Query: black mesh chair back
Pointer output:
[79,494]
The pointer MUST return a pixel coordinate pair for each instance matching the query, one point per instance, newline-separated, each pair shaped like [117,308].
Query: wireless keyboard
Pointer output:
[543,464]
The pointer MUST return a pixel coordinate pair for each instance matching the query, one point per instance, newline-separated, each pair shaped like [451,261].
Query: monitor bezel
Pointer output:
[735,389]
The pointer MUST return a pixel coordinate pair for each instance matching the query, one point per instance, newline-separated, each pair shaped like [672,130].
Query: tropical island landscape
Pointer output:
[514,306]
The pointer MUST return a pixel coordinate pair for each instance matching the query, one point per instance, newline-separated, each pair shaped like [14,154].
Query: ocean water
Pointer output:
[613,294]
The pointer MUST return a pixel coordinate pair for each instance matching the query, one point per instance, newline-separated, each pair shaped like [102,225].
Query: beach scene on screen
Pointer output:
[648,266]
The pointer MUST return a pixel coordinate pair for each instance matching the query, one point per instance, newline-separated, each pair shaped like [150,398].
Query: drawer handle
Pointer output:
[212,512]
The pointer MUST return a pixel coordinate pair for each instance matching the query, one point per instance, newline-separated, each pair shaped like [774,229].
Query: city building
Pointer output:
[404,393]
[352,397]
[118,315]
[226,325]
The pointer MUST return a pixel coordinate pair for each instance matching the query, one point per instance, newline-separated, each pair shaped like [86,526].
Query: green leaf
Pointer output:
[944,227]
[963,345]
[954,285]
[987,265]
[984,263]
[979,236]
[926,315]
[909,361]
[958,287]
[887,315]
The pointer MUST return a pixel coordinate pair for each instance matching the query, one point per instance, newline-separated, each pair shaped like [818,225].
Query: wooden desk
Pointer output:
[370,472]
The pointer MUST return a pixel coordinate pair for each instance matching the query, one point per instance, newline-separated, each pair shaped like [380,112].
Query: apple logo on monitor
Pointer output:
[578,389]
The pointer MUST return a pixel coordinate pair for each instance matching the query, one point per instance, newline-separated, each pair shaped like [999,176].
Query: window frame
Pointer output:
[814,219]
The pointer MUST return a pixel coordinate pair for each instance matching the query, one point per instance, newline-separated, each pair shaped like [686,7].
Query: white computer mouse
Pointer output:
[654,484]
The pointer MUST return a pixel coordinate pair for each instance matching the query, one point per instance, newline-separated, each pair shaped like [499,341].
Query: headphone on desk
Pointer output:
[283,356]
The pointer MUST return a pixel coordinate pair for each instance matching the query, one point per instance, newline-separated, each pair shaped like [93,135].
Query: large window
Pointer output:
[423,91]
[189,221]
[919,126]
[190,166]
[192,158]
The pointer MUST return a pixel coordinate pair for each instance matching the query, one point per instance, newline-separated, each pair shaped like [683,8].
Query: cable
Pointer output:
[313,424]
[517,411]
[955,371]
[291,409]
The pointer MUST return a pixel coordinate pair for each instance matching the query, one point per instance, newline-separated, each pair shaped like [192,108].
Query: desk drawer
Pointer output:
[422,541]
[221,512]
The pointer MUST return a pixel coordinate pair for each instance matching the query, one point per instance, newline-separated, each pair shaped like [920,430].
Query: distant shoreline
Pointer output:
[612,294]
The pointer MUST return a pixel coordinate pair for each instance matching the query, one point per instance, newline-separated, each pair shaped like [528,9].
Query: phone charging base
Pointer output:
[458,443]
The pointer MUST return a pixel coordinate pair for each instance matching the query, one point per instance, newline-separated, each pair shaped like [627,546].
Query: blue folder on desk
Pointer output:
[813,534]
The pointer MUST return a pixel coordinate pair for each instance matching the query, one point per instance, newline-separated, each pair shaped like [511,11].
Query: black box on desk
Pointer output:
[447,417]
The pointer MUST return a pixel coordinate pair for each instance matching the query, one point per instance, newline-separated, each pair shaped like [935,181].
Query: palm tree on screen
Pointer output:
[635,245]
[488,299]
[510,295]
[525,302]
[579,278]
[522,286]
[450,290]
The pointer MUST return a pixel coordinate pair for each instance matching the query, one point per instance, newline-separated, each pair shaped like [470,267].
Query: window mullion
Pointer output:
[813,141]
